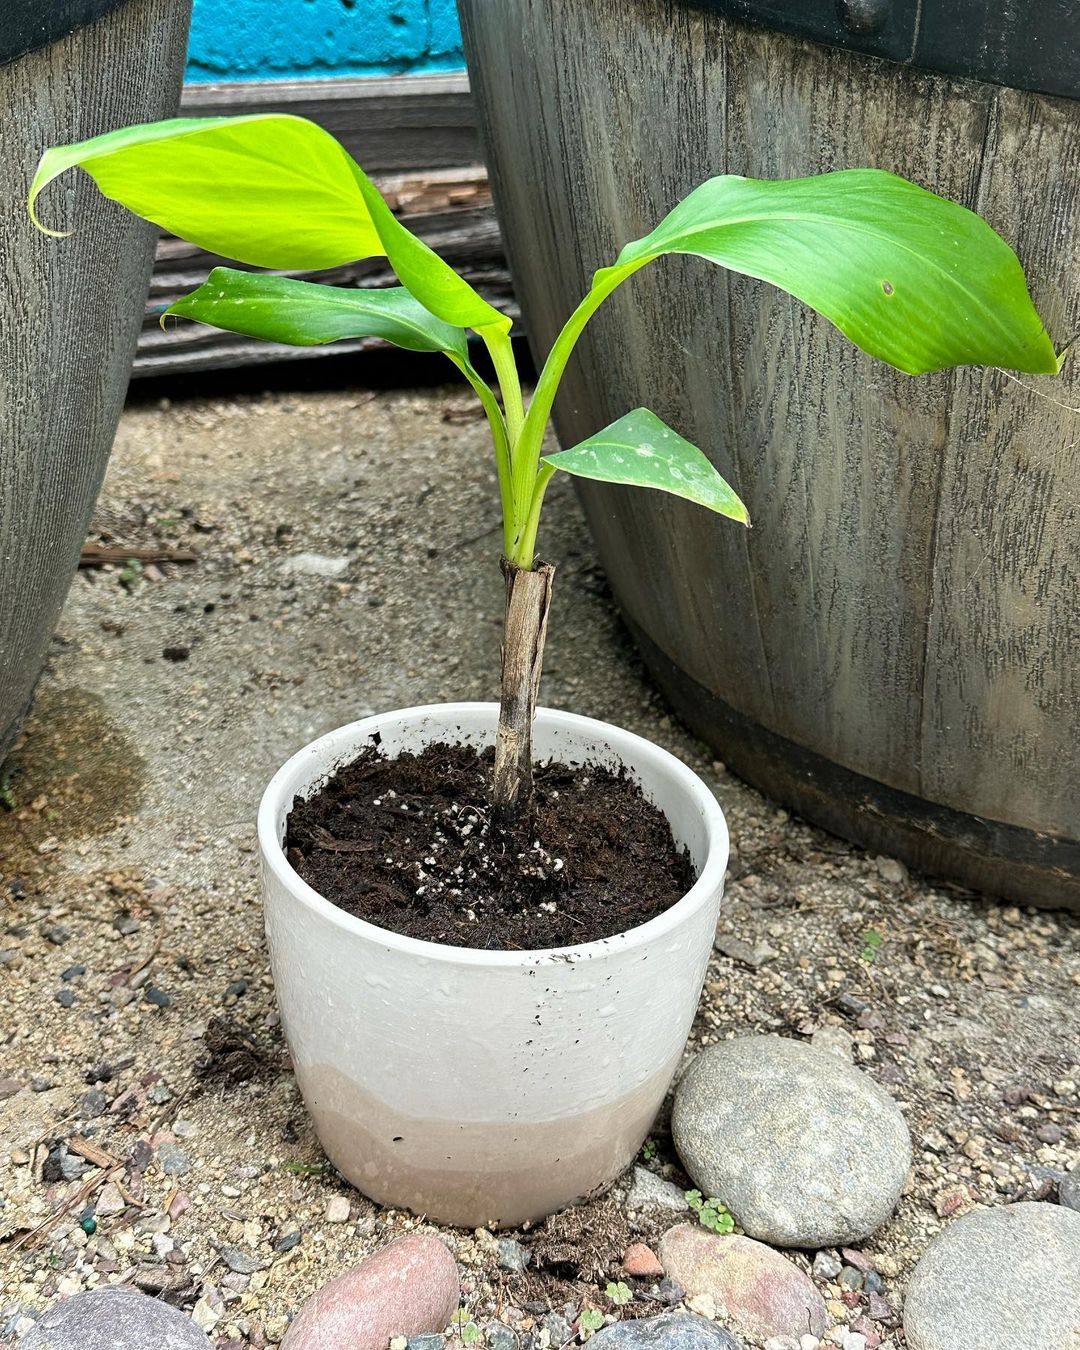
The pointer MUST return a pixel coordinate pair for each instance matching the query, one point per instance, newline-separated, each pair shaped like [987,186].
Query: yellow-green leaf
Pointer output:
[267,189]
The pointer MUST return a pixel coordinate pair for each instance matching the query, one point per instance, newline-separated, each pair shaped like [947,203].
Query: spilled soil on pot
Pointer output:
[408,844]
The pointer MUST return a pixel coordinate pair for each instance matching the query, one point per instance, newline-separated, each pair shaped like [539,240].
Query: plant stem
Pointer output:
[502,450]
[528,599]
[501,351]
[528,446]
[524,546]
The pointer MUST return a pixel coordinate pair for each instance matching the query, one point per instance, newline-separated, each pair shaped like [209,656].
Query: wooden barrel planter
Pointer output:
[70,310]
[894,650]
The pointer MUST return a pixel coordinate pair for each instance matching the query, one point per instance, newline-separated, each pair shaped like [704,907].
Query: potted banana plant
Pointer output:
[489,923]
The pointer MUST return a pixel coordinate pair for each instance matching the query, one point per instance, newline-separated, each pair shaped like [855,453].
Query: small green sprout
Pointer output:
[306,1169]
[466,1328]
[619,1293]
[648,1150]
[712,1213]
[131,574]
[872,941]
[592,1319]
[7,795]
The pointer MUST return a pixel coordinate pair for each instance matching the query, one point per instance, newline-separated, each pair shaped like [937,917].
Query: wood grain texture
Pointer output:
[906,605]
[415,134]
[70,312]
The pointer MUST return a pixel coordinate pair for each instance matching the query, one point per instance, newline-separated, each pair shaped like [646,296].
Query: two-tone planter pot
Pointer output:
[487,1087]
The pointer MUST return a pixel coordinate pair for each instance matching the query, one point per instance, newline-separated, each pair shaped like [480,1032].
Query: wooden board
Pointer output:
[415,134]
[906,606]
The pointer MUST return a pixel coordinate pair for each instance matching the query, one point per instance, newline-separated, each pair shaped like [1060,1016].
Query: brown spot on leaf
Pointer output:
[887,287]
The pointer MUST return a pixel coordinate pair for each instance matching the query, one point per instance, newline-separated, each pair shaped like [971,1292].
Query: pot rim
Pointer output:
[627,745]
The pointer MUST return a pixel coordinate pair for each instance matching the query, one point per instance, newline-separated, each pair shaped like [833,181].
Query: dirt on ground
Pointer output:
[347,562]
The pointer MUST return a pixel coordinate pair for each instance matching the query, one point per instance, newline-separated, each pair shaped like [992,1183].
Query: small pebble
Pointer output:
[881,1309]
[429,1340]
[559,1330]
[739,950]
[65,997]
[58,934]
[835,1040]
[174,1161]
[315,564]
[337,1209]
[288,1242]
[93,1104]
[240,1261]
[648,1191]
[1069,1189]
[512,1255]
[110,1201]
[497,1337]
[642,1262]
[672,1331]
[851,1278]
[158,997]
[826,1266]
[73,973]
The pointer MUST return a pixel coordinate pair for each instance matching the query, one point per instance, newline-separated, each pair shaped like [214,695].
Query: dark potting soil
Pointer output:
[408,844]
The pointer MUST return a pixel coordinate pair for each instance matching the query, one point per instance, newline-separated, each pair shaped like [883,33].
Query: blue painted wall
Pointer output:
[279,39]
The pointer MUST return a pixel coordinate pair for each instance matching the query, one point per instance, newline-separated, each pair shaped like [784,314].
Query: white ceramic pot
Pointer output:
[483,1087]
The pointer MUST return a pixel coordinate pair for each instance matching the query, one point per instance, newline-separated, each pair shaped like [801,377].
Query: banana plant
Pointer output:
[911,278]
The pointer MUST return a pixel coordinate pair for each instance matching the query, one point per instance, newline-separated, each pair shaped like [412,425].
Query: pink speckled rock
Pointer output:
[761,1292]
[409,1287]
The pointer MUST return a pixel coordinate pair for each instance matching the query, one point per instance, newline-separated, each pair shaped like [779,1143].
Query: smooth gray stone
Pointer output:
[804,1149]
[113,1318]
[1007,1278]
[675,1331]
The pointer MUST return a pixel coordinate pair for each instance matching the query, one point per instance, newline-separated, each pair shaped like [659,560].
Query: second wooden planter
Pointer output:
[893,649]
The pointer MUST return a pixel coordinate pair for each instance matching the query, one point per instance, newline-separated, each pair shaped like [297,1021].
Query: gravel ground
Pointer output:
[135,999]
